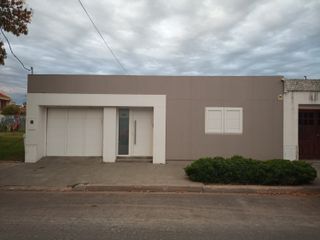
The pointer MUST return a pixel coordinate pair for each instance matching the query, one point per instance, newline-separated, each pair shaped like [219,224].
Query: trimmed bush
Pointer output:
[239,170]
[285,172]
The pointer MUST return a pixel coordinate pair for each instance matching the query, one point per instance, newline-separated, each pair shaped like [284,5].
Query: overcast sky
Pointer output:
[157,37]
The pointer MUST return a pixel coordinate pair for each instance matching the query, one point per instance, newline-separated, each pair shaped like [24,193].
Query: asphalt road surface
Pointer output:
[38,215]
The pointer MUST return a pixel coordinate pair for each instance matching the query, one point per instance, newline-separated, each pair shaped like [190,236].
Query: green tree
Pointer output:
[14,17]
[10,109]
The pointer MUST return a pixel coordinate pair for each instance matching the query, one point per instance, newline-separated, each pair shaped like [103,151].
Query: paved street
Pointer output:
[39,215]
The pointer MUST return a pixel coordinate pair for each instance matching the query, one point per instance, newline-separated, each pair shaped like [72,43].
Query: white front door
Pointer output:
[142,132]
[135,132]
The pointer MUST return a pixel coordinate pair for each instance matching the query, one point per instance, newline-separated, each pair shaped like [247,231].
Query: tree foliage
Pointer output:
[2,53]
[10,109]
[14,18]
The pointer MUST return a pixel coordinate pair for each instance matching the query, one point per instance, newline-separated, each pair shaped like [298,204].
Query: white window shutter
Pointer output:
[214,119]
[233,120]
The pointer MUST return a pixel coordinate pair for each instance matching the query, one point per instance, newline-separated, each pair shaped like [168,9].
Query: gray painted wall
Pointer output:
[187,98]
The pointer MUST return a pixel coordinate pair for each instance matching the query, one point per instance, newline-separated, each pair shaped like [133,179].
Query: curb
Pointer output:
[244,189]
[236,189]
[254,189]
[135,188]
[35,189]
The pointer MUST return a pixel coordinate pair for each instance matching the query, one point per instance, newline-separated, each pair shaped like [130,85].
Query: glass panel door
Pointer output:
[123,144]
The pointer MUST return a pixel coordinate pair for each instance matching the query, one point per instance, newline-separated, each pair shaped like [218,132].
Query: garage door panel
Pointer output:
[74,132]
[93,131]
[56,132]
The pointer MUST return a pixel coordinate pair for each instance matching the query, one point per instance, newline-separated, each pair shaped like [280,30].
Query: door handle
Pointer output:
[135,132]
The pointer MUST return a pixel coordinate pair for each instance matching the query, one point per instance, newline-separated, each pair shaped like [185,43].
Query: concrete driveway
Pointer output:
[62,172]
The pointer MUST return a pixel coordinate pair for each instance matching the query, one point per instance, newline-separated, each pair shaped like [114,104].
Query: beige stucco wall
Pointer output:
[187,98]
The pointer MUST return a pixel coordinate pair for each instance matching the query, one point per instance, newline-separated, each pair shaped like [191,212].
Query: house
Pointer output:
[4,100]
[162,117]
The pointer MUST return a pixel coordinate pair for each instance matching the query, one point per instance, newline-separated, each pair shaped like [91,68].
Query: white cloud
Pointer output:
[182,37]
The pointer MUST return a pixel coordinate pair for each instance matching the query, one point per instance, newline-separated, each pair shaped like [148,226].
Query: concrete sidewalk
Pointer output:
[90,174]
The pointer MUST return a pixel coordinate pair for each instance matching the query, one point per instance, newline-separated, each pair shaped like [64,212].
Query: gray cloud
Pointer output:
[183,37]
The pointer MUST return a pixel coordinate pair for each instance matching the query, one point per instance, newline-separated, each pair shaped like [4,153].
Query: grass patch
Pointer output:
[11,146]
[239,170]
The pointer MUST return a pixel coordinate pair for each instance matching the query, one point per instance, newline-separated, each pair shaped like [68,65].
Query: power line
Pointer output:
[28,69]
[105,42]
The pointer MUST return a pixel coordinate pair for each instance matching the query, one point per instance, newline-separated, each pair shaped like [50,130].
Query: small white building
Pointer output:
[301,119]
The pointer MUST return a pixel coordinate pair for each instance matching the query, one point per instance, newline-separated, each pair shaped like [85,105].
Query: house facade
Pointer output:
[4,100]
[158,117]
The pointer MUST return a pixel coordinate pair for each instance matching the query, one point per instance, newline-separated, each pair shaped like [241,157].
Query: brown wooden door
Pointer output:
[309,134]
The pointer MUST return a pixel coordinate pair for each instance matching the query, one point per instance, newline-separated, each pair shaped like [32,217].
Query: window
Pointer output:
[233,120]
[123,123]
[214,120]
[223,120]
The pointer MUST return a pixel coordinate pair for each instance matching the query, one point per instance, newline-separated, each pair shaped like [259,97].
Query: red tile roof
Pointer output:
[4,97]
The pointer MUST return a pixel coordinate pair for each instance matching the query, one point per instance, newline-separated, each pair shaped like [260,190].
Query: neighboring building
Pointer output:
[301,119]
[4,100]
[163,117]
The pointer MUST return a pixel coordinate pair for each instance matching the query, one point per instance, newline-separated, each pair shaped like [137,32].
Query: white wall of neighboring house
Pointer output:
[292,100]
[38,103]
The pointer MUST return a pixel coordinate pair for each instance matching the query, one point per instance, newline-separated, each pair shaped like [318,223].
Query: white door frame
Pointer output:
[36,120]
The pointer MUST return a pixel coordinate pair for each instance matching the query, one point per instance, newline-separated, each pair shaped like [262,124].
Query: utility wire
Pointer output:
[28,69]
[105,42]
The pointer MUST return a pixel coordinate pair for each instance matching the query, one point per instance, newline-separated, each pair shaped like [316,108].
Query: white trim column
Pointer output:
[36,127]
[109,134]
[159,135]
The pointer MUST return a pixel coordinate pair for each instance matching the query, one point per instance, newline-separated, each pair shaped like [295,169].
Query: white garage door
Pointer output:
[74,132]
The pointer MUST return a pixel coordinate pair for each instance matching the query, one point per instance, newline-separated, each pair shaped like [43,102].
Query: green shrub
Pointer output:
[285,172]
[239,170]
